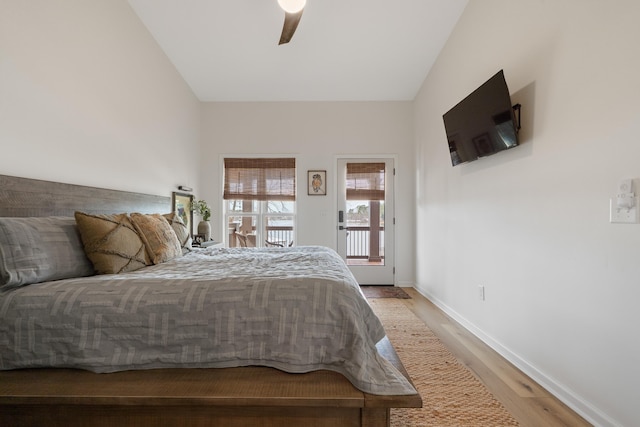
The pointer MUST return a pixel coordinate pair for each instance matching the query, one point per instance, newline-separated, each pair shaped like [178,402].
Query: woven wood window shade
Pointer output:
[260,179]
[365,181]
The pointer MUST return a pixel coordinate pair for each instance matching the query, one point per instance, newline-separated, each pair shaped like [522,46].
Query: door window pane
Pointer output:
[365,185]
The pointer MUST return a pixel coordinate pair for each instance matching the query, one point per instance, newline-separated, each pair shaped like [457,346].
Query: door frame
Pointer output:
[366,157]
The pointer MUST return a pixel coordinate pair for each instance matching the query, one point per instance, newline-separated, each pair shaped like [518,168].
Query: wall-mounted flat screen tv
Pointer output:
[483,123]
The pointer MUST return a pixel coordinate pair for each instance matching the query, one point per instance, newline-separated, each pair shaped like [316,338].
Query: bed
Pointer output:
[209,337]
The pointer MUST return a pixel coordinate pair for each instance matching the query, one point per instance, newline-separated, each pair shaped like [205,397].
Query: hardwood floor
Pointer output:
[528,402]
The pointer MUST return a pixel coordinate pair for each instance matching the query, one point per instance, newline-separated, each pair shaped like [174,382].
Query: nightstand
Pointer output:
[210,244]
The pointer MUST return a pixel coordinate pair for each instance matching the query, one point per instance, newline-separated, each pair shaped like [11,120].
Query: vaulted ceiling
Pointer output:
[343,50]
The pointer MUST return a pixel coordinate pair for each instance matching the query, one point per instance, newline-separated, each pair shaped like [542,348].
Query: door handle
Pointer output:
[340,227]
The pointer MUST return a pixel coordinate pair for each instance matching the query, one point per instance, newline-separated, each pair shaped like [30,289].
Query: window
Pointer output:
[260,206]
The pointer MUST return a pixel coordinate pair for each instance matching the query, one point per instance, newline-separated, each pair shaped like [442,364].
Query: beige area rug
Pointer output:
[451,394]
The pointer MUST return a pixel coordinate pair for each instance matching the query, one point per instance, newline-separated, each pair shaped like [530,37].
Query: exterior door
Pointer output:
[366,218]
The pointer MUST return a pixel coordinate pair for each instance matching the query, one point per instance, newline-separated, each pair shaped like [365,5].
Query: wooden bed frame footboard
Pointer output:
[249,396]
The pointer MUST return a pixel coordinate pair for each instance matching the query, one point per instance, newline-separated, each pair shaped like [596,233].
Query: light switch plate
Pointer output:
[623,215]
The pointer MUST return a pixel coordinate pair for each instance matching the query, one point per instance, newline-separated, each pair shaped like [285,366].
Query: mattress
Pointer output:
[295,309]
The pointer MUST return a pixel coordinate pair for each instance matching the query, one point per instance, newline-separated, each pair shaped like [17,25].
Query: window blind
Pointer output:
[365,181]
[260,178]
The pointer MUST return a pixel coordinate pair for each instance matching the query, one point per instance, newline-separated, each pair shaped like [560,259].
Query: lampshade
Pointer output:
[292,6]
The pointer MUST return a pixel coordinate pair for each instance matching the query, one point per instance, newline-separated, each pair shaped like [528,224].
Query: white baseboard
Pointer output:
[588,411]
[405,285]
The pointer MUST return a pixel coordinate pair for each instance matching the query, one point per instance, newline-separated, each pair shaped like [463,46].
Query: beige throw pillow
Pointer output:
[111,242]
[158,236]
[184,236]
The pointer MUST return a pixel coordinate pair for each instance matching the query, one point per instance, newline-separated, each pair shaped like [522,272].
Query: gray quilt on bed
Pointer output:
[295,309]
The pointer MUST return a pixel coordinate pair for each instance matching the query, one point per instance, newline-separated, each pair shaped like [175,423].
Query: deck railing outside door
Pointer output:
[358,239]
[359,242]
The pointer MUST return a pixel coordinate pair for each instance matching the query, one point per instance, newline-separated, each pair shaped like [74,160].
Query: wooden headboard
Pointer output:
[22,197]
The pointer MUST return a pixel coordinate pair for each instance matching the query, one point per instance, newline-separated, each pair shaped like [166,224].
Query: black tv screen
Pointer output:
[483,123]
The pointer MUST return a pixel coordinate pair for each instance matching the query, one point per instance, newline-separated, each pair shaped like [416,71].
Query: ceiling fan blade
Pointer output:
[291,21]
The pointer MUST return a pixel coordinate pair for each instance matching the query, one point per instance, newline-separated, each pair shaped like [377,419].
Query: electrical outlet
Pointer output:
[481,292]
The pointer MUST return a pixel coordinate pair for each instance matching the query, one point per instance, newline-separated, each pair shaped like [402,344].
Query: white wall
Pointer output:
[532,224]
[315,133]
[88,97]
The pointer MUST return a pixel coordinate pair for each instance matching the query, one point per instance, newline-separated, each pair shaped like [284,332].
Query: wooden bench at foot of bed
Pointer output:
[252,396]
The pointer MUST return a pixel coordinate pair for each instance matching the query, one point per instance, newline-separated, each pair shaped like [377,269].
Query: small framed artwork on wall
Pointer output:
[317,183]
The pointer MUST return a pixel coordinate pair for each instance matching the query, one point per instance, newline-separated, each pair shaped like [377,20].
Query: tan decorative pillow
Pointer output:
[184,236]
[111,242]
[158,236]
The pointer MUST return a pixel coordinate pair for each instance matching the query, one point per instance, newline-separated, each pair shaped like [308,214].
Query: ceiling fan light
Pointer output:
[292,6]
